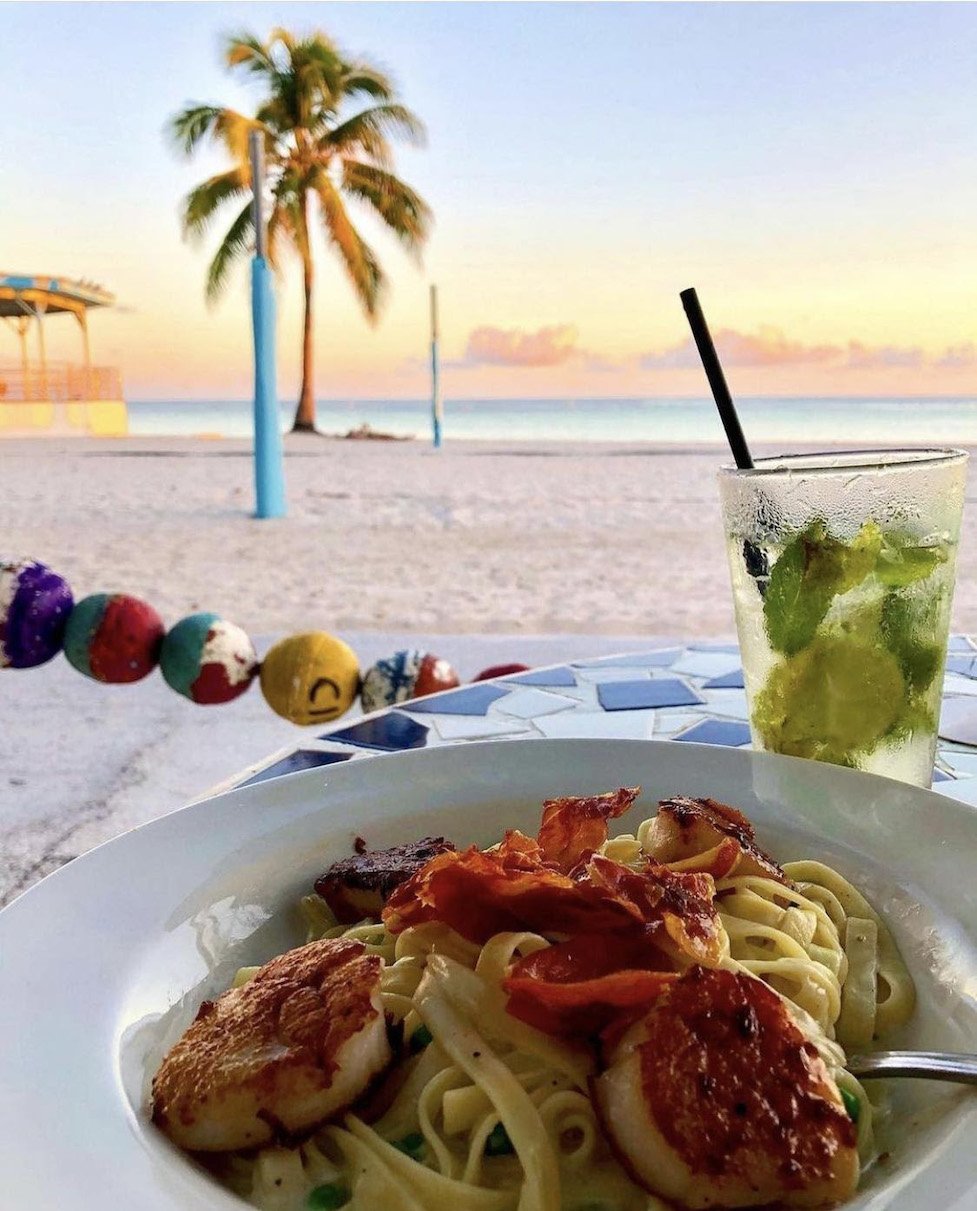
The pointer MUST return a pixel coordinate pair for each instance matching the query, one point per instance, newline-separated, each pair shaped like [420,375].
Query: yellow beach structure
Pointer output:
[38,396]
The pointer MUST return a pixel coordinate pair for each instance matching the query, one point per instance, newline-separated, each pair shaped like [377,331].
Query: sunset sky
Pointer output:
[810,168]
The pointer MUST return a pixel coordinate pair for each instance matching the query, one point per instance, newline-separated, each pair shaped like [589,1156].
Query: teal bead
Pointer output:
[179,659]
[81,628]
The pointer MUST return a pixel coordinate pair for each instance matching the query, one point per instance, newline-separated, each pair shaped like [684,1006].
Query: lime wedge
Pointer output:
[833,701]
[900,565]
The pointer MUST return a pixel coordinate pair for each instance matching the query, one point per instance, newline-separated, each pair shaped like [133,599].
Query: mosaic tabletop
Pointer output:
[692,693]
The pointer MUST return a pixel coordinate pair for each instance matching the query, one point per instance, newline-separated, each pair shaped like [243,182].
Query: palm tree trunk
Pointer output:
[305,412]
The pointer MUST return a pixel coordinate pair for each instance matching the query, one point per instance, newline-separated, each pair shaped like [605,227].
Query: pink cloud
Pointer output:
[955,356]
[767,347]
[510,347]
[770,346]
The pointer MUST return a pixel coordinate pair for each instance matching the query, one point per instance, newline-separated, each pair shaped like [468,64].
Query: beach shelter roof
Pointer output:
[49,295]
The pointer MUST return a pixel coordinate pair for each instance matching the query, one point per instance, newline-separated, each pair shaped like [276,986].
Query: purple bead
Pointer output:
[34,607]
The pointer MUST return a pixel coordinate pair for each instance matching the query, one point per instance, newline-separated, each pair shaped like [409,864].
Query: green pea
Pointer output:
[327,1198]
[852,1105]
[420,1039]
[411,1145]
[498,1142]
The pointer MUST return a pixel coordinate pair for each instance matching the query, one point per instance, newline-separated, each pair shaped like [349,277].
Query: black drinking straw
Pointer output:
[717,380]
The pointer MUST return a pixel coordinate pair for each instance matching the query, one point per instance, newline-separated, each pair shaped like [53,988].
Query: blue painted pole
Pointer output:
[437,413]
[269,473]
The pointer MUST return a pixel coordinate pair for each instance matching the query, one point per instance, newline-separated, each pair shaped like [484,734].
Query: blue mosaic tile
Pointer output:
[717,731]
[940,776]
[662,659]
[731,649]
[552,677]
[960,662]
[642,695]
[728,681]
[960,643]
[303,758]
[388,733]
[472,700]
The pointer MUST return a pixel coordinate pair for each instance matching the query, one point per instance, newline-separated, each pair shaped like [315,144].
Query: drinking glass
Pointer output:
[842,567]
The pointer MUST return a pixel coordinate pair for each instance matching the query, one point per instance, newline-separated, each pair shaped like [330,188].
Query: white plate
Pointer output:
[104,963]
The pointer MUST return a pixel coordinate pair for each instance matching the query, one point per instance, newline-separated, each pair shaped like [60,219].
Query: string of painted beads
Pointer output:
[310,678]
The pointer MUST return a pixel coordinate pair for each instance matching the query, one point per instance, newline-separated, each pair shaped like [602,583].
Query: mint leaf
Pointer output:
[811,571]
[911,628]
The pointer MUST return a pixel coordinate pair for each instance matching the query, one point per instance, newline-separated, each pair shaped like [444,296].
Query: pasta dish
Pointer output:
[571,1022]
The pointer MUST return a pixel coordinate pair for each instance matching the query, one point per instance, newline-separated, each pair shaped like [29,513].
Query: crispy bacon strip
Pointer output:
[577,987]
[480,894]
[682,902]
[573,828]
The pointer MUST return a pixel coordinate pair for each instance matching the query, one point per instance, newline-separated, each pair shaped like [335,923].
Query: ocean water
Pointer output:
[858,421]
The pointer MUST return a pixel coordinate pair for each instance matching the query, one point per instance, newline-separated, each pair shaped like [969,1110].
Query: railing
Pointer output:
[59,381]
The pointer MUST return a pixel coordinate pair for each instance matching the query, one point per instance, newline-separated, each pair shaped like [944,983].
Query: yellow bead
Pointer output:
[310,678]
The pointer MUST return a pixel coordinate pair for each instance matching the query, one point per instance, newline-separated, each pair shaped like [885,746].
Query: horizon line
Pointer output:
[888,397]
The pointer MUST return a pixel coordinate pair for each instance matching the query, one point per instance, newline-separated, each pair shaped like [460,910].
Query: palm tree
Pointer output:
[321,151]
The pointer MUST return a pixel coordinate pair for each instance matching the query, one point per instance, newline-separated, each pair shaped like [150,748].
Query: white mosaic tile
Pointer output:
[600,676]
[531,703]
[667,723]
[615,725]
[586,695]
[964,763]
[953,683]
[730,704]
[467,727]
[659,658]
[958,720]
[965,790]
[706,664]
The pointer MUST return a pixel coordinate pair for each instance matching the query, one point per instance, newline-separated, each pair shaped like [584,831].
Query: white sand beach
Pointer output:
[384,536]
[483,553]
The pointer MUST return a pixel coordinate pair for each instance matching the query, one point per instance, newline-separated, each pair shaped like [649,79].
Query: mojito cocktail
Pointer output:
[842,568]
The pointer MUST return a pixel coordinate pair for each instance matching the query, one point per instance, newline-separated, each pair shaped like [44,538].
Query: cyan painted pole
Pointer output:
[269,474]
[437,412]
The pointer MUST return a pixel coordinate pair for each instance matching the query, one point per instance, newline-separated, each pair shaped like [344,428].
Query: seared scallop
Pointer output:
[687,828]
[716,1099]
[279,1055]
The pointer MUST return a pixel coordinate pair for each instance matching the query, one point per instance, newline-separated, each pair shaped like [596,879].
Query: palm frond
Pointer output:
[233,130]
[404,212]
[370,129]
[191,125]
[287,222]
[201,204]
[361,79]
[283,37]
[245,50]
[235,244]
[359,260]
